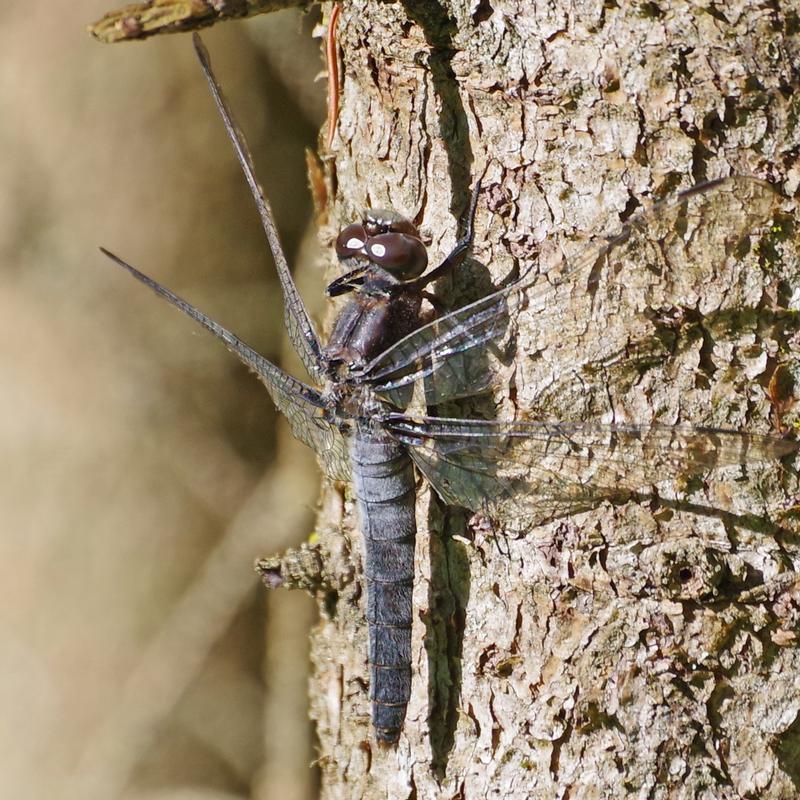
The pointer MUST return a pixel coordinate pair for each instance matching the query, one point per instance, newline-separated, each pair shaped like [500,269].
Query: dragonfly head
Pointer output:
[387,240]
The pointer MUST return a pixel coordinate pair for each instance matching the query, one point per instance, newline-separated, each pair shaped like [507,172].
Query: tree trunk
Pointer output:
[635,649]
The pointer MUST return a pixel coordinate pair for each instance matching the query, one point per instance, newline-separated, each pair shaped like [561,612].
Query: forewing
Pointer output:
[665,255]
[298,323]
[531,472]
[309,416]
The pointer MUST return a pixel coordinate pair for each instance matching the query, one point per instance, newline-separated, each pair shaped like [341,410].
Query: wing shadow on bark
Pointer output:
[731,521]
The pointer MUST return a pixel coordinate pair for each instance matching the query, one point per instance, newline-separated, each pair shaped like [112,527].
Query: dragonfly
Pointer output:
[371,409]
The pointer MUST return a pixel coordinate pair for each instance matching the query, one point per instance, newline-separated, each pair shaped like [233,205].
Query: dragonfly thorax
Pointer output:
[349,401]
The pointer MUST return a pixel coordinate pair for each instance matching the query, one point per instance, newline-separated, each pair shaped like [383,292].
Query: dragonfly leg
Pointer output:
[438,306]
[456,255]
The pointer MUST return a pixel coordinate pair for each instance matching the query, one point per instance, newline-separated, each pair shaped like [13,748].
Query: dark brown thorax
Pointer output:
[385,257]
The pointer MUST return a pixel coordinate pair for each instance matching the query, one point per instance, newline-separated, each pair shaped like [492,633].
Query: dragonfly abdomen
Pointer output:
[384,484]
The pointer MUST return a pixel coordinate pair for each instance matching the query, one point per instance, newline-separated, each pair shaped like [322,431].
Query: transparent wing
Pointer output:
[664,255]
[309,416]
[301,331]
[533,472]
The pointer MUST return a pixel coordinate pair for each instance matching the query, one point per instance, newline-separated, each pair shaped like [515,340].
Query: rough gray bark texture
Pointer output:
[635,650]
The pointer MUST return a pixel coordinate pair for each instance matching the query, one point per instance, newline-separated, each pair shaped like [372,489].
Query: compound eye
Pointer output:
[399,253]
[351,240]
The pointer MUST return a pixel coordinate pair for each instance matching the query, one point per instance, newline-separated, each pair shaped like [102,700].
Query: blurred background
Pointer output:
[143,468]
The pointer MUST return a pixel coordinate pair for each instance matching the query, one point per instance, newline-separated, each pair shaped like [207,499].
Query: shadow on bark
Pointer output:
[438,28]
[787,749]
[444,630]
[731,521]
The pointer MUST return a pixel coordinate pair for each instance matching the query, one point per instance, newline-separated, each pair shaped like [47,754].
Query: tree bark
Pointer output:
[600,655]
